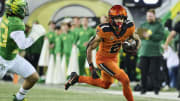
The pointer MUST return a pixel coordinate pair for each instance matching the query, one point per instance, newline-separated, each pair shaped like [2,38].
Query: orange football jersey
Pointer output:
[111,41]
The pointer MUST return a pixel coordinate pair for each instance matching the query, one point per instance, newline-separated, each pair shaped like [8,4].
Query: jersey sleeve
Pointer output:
[131,30]
[21,40]
[16,25]
[100,32]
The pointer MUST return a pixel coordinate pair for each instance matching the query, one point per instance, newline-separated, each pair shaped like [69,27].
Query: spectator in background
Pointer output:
[51,63]
[51,35]
[58,30]
[150,54]
[103,19]
[77,22]
[172,64]
[67,41]
[172,34]
[73,26]
[85,34]
[58,43]
[76,28]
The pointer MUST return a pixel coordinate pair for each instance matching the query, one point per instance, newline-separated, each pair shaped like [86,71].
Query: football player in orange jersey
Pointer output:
[109,37]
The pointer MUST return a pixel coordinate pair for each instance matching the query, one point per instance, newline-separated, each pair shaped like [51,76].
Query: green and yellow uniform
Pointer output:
[8,47]
[75,33]
[83,38]
[67,42]
[58,44]
[51,37]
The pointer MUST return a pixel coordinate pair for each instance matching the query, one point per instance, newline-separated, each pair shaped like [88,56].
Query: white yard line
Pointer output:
[162,95]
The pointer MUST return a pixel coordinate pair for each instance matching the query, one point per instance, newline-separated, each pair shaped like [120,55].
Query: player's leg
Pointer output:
[30,81]
[124,79]
[112,69]
[4,66]
[105,82]
[26,70]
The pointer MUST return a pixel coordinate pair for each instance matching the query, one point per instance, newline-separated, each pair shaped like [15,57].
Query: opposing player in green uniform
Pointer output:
[12,38]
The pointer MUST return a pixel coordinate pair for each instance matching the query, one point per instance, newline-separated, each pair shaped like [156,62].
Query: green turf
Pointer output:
[48,93]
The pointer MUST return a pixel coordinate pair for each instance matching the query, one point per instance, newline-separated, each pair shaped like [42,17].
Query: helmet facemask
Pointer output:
[118,25]
[118,13]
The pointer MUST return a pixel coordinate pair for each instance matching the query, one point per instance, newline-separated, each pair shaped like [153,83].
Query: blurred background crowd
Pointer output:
[70,24]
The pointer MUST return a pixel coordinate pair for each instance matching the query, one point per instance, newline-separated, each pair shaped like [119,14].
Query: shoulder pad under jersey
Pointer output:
[105,27]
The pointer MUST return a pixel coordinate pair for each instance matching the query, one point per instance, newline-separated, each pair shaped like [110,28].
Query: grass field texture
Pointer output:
[57,93]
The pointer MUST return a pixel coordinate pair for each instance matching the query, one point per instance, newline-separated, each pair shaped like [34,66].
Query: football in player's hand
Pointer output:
[130,46]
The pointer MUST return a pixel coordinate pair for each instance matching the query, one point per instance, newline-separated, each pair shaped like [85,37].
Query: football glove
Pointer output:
[37,31]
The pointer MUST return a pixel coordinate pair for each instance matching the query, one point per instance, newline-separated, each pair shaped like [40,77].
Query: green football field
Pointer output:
[57,93]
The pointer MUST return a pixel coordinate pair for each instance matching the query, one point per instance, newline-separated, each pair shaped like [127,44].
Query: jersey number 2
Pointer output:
[115,48]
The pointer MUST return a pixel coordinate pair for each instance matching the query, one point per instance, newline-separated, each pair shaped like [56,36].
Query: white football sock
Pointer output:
[21,94]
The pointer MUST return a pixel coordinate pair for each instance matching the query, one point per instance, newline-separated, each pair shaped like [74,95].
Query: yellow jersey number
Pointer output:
[3,33]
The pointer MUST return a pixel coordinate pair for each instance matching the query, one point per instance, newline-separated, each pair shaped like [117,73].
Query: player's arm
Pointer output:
[138,40]
[134,44]
[21,40]
[134,35]
[169,38]
[93,43]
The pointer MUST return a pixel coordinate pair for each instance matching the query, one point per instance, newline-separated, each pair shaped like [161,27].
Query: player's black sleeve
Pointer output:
[177,27]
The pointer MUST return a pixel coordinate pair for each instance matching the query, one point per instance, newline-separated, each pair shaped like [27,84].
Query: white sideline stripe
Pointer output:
[172,96]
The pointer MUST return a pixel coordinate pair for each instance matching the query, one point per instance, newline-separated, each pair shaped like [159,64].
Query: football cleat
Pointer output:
[72,80]
[15,99]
